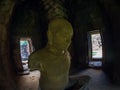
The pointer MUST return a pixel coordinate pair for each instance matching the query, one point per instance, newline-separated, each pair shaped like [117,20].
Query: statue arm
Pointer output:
[34,62]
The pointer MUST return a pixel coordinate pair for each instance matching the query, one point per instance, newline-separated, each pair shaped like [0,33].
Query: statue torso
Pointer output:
[53,66]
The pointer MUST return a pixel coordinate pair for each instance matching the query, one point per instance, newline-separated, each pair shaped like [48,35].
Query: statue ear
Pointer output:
[50,37]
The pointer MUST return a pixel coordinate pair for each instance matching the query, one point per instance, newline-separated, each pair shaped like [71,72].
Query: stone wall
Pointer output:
[85,16]
[6,74]
[28,21]
[113,46]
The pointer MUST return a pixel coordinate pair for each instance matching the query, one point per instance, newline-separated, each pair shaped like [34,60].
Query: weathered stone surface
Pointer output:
[54,9]
[53,61]
[6,82]
[29,81]
[25,23]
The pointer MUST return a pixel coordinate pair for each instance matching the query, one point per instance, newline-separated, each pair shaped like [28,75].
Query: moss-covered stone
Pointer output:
[53,61]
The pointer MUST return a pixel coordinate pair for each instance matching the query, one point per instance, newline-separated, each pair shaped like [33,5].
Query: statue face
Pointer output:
[59,34]
[61,40]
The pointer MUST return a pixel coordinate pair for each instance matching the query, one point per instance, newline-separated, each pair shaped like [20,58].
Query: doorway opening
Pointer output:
[95,49]
[26,49]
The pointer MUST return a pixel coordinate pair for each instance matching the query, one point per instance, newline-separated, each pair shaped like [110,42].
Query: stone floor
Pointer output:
[29,81]
[99,80]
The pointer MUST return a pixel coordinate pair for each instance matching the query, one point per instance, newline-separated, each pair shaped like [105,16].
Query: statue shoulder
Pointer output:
[35,54]
[34,60]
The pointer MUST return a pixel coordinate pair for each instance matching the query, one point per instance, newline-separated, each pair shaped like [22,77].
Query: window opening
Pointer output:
[26,49]
[95,48]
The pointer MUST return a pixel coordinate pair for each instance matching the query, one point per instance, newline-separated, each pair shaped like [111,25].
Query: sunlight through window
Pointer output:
[25,49]
[96,45]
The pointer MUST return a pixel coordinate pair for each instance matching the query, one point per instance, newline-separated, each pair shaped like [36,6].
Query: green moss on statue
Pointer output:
[53,61]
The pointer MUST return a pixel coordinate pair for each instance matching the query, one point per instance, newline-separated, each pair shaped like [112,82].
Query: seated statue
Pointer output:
[53,61]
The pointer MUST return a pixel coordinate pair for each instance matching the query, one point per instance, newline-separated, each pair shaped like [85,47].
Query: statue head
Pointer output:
[59,34]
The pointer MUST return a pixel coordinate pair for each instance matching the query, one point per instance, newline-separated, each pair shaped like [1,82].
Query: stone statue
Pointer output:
[53,61]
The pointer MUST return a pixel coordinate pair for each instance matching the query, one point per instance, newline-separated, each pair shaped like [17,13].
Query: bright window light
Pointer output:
[25,50]
[96,46]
